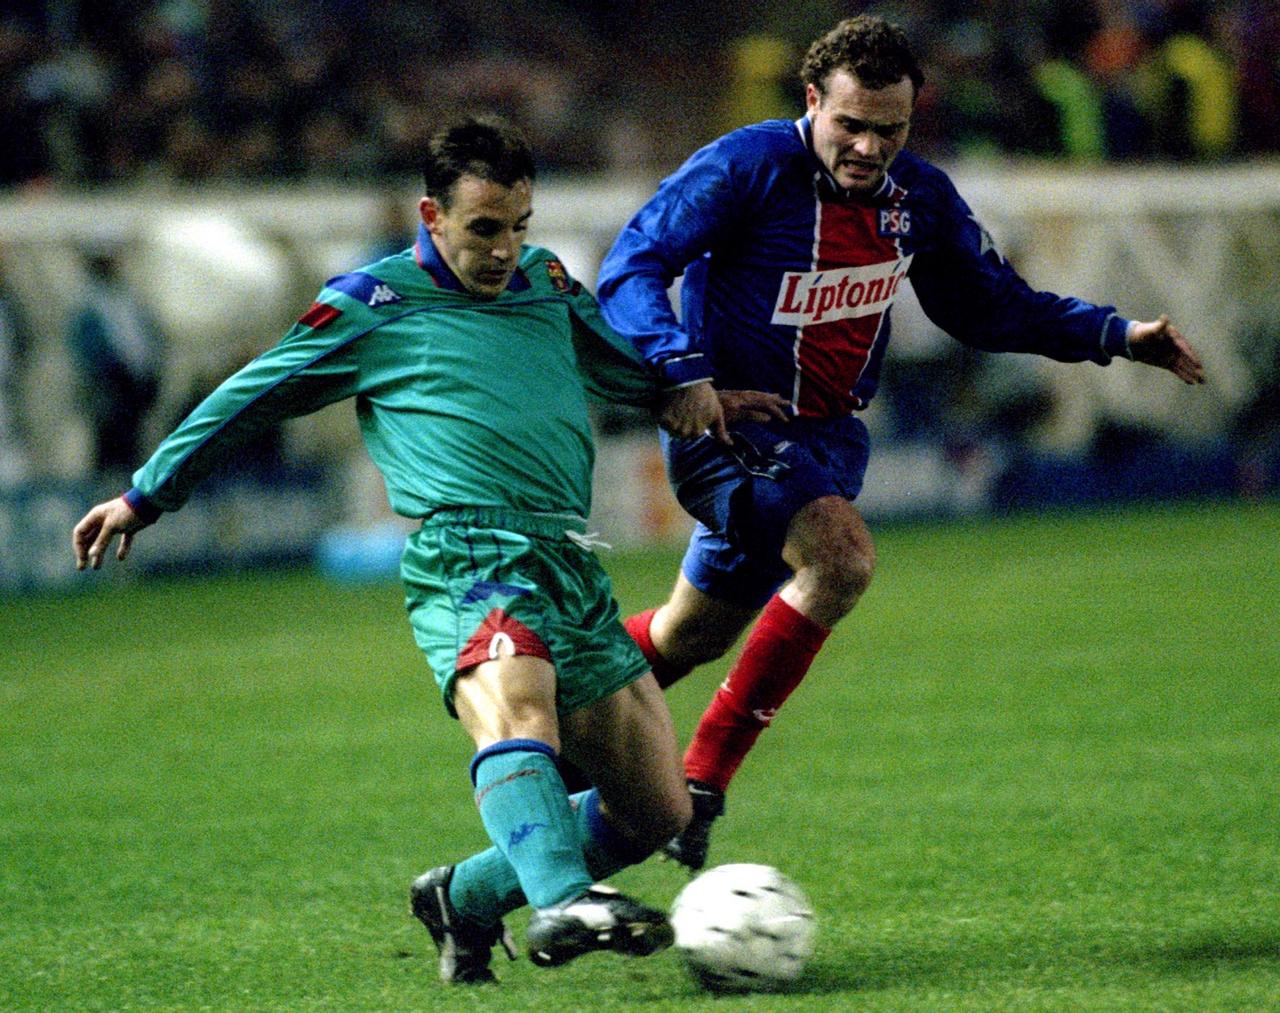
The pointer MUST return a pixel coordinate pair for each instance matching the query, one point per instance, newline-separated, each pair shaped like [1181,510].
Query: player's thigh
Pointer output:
[510,697]
[593,654]
[626,743]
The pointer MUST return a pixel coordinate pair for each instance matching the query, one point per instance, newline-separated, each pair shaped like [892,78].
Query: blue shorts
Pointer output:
[743,499]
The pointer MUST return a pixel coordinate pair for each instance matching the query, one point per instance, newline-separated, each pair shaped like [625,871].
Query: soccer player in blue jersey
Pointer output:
[793,239]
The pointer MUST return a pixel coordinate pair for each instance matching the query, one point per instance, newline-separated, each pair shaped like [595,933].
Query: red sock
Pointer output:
[637,626]
[779,651]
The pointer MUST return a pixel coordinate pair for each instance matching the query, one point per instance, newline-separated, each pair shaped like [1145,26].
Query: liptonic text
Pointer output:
[812,297]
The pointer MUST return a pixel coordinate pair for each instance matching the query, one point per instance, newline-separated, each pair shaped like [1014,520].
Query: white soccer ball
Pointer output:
[743,927]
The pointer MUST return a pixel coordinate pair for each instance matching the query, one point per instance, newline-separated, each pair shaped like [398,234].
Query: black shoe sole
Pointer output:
[633,939]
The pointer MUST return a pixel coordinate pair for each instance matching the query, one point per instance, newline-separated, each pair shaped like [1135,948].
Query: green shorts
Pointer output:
[480,579]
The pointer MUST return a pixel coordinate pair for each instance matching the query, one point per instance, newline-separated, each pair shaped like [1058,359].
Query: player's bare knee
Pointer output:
[832,553]
[840,577]
[857,566]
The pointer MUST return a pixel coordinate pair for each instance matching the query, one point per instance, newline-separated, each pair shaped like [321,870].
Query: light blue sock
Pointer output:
[526,812]
[485,887]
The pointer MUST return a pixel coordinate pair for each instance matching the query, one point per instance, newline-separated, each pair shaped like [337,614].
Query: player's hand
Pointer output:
[1159,343]
[690,412]
[753,406]
[96,530]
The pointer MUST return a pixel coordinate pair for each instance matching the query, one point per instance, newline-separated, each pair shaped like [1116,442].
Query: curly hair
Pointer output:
[483,146]
[872,49]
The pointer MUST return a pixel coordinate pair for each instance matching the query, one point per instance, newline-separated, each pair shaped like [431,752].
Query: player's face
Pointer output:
[858,131]
[480,233]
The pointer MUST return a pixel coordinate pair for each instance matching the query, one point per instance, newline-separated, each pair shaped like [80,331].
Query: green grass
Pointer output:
[1035,770]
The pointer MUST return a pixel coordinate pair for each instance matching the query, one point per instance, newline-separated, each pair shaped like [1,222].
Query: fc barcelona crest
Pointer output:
[558,275]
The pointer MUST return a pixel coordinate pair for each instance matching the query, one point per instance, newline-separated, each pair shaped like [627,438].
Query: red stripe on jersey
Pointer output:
[319,315]
[847,237]
[831,355]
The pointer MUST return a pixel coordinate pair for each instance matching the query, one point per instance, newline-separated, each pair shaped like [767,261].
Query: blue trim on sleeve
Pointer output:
[1115,337]
[510,746]
[147,511]
[683,370]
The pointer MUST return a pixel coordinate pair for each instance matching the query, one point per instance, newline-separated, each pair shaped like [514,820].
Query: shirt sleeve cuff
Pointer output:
[1115,337]
[684,370]
[147,511]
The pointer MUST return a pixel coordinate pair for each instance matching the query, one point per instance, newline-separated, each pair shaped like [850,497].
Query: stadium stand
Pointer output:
[132,90]
[238,152]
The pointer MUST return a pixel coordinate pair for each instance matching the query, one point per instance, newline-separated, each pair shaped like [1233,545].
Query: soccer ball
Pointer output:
[743,927]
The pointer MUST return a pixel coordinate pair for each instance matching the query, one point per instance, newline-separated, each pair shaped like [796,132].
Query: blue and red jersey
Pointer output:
[788,279]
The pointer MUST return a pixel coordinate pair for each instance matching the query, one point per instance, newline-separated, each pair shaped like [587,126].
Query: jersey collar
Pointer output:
[429,259]
[883,192]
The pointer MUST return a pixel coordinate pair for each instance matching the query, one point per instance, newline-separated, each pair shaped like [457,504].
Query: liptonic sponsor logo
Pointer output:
[813,297]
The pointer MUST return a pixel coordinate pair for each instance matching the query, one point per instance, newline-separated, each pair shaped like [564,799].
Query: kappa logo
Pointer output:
[383,294]
[520,833]
[812,297]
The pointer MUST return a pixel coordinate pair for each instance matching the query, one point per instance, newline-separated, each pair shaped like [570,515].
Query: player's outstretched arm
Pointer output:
[96,530]
[1159,343]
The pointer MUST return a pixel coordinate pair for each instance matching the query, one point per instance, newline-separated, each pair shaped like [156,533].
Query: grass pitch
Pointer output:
[1035,770]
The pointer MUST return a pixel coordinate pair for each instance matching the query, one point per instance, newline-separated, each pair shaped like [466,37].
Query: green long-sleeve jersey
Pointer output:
[462,401]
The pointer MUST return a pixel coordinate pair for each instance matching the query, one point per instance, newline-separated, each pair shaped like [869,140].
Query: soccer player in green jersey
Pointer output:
[470,358]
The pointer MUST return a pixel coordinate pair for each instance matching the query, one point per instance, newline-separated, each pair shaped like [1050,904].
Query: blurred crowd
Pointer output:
[124,91]
[346,91]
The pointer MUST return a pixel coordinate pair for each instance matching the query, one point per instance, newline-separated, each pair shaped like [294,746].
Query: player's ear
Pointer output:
[812,97]
[429,209]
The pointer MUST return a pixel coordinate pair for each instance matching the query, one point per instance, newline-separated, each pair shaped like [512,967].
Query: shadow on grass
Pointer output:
[861,970]
[914,966]
[1214,948]
[1190,955]
[984,961]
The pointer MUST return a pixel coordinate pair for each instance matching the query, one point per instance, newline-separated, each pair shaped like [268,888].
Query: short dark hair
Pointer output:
[872,49]
[485,146]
